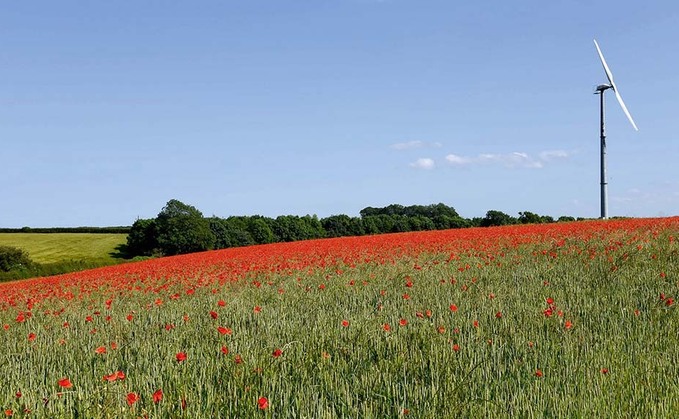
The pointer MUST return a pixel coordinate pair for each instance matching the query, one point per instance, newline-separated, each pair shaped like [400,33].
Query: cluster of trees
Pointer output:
[180,228]
[13,258]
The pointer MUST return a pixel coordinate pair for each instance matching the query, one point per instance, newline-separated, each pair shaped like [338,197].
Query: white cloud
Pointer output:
[407,145]
[457,160]
[423,163]
[510,160]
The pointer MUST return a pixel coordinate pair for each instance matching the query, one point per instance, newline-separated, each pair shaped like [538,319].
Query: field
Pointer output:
[557,320]
[57,247]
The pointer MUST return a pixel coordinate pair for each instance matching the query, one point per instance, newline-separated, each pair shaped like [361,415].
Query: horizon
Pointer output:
[327,107]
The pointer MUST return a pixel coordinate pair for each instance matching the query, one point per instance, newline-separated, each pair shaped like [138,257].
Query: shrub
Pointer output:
[13,258]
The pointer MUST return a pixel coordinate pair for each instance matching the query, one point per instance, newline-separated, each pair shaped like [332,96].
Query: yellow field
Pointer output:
[56,247]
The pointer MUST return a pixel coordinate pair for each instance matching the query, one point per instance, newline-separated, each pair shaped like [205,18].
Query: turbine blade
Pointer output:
[609,75]
[624,108]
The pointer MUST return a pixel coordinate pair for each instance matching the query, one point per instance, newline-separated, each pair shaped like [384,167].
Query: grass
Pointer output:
[608,348]
[57,247]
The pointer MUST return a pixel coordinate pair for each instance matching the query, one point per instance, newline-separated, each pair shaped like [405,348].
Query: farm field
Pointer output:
[550,320]
[57,247]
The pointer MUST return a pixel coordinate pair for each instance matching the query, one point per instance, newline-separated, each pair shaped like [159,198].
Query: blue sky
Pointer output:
[110,109]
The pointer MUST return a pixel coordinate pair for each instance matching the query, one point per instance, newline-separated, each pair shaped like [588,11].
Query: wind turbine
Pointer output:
[600,91]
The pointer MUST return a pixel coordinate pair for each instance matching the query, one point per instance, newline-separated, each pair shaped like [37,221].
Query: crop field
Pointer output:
[57,247]
[550,320]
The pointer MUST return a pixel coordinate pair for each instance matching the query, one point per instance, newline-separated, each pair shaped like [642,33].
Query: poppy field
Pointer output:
[568,319]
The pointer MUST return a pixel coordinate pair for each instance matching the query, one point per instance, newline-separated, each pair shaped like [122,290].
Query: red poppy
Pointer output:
[65,383]
[237,359]
[386,327]
[213,314]
[276,353]
[221,303]
[345,323]
[132,398]
[604,371]
[538,373]
[110,377]
[157,396]
[224,350]
[453,308]
[498,315]
[224,330]
[402,322]
[456,347]
[441,329]
[100,350]
[181,357]
[550,301]
[257,309]
[9,412]
[31,337]
[568,324]
[263,403]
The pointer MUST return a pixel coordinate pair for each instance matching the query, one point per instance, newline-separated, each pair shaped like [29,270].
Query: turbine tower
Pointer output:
[600,91]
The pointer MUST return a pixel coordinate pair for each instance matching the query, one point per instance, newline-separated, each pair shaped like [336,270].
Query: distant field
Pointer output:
[56,247]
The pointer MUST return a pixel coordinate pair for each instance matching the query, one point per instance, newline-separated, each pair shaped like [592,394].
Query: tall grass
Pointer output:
[372,339]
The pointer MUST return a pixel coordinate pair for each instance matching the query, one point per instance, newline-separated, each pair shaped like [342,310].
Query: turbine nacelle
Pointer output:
[600,88]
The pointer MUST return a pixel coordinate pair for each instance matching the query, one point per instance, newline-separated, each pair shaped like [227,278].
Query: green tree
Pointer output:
[142,239]
[527,217]
[13,258]
[341,226]
[260,231]
[220,228]
[182,229]
[497,218]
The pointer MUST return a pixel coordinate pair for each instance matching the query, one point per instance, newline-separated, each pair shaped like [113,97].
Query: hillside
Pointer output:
[57,247]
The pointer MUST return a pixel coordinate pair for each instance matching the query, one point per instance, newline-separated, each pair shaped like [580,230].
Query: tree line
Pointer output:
[47,230]
[180,228]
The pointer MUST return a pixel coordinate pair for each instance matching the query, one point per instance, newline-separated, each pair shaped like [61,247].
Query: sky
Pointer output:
[110,109]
